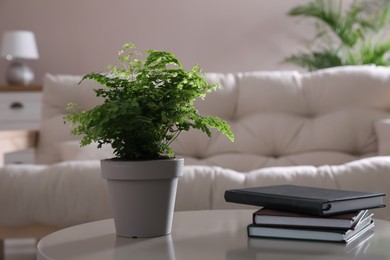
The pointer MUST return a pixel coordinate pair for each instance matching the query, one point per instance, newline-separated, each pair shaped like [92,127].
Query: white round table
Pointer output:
[214,234]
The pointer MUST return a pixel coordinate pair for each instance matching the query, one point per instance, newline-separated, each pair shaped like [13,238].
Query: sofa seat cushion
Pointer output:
[243,162]
[74,192]
[247,162]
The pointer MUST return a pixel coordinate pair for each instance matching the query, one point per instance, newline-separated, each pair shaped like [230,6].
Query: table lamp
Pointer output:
[16,46]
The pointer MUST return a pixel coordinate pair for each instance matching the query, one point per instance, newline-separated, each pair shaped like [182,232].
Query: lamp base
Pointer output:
[19,73]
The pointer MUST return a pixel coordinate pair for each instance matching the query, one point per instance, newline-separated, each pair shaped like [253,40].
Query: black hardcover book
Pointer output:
[309,200]
[337,235]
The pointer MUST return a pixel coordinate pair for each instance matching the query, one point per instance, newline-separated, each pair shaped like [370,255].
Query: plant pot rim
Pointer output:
[115,159]
[114,169]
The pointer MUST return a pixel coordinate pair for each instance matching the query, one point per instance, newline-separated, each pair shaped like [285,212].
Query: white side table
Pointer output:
[216,234]
[20,109]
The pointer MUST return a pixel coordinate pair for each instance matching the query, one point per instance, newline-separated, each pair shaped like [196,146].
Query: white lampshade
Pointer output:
[19,45]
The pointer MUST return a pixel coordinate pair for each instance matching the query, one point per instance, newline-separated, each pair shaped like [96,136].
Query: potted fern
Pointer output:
[147,104]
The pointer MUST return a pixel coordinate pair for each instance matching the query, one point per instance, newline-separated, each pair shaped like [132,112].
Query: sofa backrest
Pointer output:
[279,118]
[54,134]
[291,118]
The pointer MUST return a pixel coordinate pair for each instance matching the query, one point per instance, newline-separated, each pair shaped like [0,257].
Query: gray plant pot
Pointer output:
[143,195]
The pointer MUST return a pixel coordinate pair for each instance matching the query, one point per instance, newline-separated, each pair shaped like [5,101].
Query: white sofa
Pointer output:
[328,128]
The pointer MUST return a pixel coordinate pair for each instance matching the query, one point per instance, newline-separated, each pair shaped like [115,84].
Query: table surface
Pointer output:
[216,234]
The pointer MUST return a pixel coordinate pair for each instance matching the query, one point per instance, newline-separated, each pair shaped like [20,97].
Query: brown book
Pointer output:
[271,217]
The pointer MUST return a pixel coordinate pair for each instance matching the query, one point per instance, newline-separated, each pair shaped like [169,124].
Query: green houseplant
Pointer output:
[344,36]
[147,104]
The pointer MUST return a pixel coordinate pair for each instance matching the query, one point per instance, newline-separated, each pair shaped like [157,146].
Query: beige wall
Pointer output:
[80,36]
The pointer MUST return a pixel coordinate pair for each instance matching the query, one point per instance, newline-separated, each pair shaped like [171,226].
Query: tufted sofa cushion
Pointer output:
[278,118]
[382,129]
[58,91]
[288,118]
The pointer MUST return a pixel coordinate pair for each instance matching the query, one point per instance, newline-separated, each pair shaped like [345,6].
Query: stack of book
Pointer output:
[309,213]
